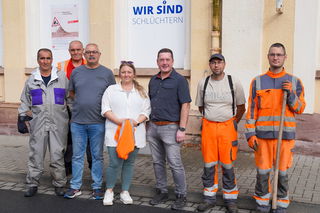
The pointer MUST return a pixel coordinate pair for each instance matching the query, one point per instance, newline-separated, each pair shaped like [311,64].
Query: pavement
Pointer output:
[304,178]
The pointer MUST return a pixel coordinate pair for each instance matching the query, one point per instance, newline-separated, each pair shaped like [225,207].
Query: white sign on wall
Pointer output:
[64,26]
[153,25]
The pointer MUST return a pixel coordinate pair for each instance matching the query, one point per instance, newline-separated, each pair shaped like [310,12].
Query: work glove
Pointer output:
[22,126]
[253,143]
[287,86]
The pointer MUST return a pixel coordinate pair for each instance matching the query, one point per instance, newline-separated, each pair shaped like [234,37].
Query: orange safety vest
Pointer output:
[265,102]
[67,67]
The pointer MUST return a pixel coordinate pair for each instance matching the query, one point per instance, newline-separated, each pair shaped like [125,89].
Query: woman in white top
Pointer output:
[126,100]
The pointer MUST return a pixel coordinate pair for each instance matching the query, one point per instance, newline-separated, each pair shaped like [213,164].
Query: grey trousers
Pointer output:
[38,143]
[164,148]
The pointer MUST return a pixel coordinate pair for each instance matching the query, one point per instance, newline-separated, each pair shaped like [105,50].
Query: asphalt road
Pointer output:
[15,202]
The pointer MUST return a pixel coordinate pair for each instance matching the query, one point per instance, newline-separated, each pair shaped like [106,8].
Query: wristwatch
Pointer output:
[182,129]
[138,123]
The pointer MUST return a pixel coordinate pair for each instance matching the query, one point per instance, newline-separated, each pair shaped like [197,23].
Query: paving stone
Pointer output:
[6,187]
[145,204]
[10,184]
[188,208]
[162,205]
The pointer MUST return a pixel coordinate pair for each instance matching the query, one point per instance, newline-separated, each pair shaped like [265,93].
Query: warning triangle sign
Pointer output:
[55,22]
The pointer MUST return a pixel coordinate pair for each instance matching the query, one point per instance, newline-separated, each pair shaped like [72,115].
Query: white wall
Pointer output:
[307,47]
[38,27]
[242,23]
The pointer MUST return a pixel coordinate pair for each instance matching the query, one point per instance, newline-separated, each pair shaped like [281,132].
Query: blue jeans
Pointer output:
[80,135]
[164,147]
[116,165]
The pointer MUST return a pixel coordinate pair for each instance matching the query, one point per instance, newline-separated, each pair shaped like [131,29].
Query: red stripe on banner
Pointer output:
[73,21]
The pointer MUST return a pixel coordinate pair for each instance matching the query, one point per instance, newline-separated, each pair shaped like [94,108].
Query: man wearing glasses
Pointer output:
[221,100]
[87,85]
[76,59]
[262,126]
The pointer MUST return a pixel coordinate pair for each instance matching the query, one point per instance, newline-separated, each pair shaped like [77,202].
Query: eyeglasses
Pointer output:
[216,62]
[91,52]
[276,54]
[126,62]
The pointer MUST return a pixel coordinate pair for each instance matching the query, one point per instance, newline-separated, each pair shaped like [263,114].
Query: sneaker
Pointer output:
[108,198]
[97,194]
[72,193]
[59,191]
[232,207]
[125,197]
[31,191]
[205,205]
[179,203]
[159,197]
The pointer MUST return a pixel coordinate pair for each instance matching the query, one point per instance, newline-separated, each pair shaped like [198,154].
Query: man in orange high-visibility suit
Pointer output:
[76,60]
[221,100]
[262,126]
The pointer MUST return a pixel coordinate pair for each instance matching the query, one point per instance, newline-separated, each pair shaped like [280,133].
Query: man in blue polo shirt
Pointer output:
[170,104]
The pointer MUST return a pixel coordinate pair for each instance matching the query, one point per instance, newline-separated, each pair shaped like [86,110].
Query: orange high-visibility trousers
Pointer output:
[219,145]
[265,158]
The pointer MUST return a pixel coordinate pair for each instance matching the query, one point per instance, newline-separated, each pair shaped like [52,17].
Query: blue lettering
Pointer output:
[143,10]
[169,9]
[179,8]
[159,9]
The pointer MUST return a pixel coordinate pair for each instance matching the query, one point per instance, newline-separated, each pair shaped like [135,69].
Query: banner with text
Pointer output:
[153,25]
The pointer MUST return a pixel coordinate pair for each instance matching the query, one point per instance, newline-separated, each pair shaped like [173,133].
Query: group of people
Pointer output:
[124,117]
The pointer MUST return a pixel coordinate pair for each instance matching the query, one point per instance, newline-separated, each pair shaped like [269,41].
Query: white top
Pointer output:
[124,104]
[218,98]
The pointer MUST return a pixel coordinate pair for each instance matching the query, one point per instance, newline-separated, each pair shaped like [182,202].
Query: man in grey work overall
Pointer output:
[87,85]
[170,104]
[45,95]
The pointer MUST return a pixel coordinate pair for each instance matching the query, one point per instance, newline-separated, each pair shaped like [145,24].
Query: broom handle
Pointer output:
[276,169]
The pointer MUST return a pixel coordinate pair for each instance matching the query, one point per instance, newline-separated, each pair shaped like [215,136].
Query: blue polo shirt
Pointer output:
[167,95]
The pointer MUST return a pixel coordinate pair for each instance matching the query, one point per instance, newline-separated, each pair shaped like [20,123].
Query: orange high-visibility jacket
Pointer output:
[64,66]
[265,102]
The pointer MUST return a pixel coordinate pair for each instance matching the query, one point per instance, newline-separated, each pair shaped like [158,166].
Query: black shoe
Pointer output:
[232,207]
[205,205]
[159,198]
[31,191]
[263,209]
[179,203]
[59,191]
[279,210]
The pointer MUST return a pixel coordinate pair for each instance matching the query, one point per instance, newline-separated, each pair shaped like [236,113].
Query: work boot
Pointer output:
[59,191]
[232,207]
[180,202]
[279,210]
[160,197]
[31,191]
[262,209]
[205,205]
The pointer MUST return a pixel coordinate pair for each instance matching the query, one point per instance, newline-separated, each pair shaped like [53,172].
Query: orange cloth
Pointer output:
[125,138]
